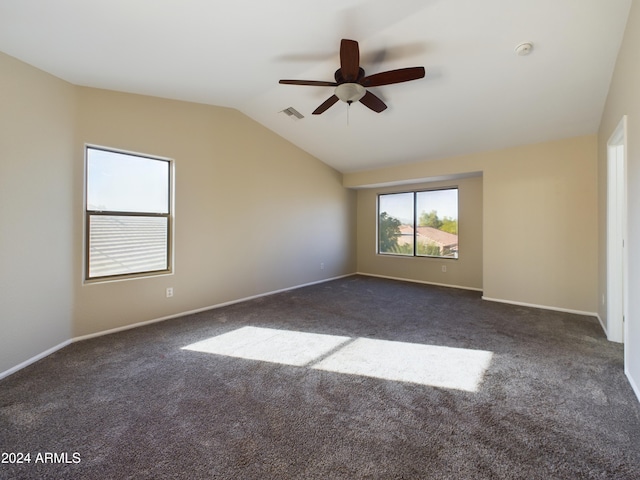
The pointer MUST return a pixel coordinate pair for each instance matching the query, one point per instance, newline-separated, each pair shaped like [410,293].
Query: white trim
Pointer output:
[198,310]
[40,356]
[632,382]
[604,328]
[48,352]
[543,307]
[419,281]
[244,299]
[127,327]
[171,218]
[616,232]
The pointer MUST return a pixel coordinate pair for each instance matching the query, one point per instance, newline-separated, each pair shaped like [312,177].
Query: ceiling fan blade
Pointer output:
[374,103]
[313,83]
[393,76]
[325,106]
[349,59]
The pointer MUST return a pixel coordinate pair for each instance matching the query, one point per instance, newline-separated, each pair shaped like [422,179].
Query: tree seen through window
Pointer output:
[419,223]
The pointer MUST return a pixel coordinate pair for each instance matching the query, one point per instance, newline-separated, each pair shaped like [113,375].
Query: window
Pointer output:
[128,214]
[419,224]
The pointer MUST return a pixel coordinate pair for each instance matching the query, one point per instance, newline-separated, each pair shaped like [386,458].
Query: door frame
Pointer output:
[617,276]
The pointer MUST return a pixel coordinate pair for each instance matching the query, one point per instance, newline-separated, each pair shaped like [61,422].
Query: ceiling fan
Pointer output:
[351,84]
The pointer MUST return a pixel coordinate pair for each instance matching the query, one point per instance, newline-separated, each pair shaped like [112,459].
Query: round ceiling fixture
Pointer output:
[524,48]
[350,92]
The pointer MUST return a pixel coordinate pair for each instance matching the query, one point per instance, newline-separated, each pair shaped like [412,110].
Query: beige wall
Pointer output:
[465,272]
[539,219]
[253,213]
[624,99]
[37,118]
[256,214]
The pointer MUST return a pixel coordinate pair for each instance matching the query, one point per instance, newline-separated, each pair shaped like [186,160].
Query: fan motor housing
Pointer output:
[340,79]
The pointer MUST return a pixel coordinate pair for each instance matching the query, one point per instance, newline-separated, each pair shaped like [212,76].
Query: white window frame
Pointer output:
[88,213]
[414,253]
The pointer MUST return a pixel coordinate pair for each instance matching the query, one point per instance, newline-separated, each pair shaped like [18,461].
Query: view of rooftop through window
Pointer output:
[128,214]
[419,223]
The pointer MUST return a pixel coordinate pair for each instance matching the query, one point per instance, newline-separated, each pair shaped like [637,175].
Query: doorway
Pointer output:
[616,233]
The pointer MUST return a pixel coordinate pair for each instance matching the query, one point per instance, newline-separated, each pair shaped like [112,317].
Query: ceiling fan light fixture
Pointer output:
[351,82]
[350,92]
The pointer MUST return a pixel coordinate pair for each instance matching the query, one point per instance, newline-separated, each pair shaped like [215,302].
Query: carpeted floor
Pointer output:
[550,399]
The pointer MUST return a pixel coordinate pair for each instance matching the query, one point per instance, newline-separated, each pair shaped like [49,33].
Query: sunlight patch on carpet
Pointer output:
[270,345]
[433,365]
[437,366]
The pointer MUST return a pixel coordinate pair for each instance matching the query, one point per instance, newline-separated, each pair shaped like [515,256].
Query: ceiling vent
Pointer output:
[292,112]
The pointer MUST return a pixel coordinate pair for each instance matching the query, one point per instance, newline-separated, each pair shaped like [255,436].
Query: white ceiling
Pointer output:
[477,95]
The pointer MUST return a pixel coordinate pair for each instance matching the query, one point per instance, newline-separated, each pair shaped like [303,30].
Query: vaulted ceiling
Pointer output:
[477,95]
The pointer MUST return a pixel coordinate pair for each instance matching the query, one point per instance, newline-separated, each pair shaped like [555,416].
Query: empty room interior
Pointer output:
[348,239]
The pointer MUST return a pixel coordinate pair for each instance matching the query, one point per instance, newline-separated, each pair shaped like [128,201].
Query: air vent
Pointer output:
[292,112]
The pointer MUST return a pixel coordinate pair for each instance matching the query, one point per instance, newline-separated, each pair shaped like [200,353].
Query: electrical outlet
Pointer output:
[322,266]
[444,268]
[169,292]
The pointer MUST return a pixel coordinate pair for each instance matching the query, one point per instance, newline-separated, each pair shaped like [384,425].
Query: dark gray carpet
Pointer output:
[554,403]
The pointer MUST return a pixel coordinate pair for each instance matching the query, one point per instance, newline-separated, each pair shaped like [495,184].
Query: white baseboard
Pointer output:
[203,309]
[419,281]
[604,328]
[632,382]
[40,356]
[543,307]
[156,320]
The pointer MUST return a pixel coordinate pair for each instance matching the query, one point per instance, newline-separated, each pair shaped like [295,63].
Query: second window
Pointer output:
[421,224]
